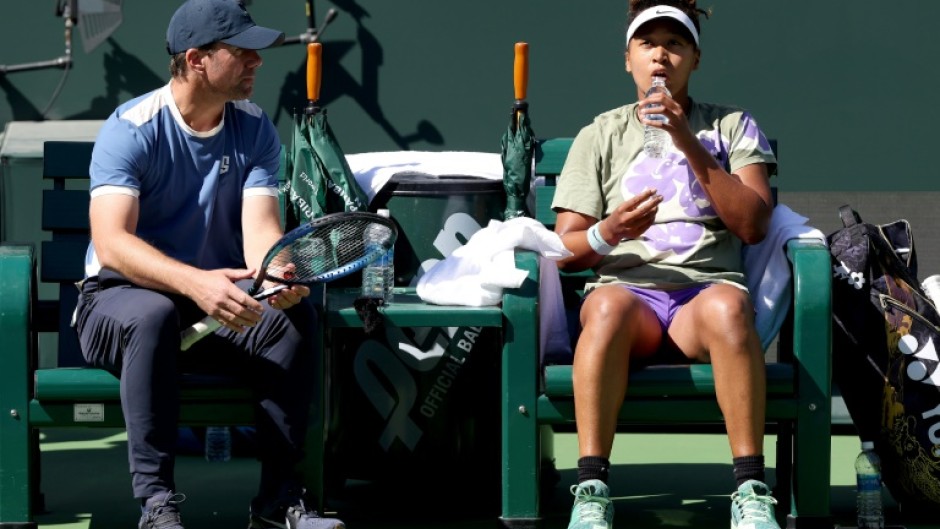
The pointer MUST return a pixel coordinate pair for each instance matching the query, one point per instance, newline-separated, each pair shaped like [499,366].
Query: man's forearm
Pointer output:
[145,265]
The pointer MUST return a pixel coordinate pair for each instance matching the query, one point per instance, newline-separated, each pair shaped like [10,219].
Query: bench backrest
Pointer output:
[65,216]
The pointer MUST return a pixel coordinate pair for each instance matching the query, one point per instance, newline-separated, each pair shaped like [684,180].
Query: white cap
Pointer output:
[868,445]
[383,213]
[661,12]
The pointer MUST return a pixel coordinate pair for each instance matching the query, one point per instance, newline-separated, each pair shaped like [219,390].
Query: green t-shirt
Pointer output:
[687,243]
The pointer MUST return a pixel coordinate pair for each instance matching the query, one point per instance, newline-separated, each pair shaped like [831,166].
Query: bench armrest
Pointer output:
[812,325]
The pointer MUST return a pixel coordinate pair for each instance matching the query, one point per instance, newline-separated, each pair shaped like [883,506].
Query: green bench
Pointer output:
[798,385]
[533,399]
[72,395]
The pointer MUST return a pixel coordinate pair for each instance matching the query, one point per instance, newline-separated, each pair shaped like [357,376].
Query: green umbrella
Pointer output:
[517,145]
[321,181]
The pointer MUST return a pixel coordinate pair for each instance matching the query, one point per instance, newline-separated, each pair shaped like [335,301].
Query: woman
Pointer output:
[664,236]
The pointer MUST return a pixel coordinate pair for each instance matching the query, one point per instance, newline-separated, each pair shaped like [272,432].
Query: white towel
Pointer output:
[372,170]
[476,273]
[768,270]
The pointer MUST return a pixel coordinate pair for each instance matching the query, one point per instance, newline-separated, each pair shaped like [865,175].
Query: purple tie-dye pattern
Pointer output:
[753,132]
[680,237]
[673,179]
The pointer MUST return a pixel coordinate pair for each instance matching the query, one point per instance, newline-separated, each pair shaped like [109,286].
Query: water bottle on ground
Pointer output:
[218,443]
[868,476]
[656,140]
[378,278]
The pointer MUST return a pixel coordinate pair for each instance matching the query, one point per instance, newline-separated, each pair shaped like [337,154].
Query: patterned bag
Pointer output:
[885,359]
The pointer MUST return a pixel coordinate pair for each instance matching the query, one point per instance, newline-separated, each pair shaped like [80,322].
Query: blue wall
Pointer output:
[830,80]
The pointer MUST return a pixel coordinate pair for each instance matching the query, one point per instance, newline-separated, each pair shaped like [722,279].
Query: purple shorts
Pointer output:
[665,303]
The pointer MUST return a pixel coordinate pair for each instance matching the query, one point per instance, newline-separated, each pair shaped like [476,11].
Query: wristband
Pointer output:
[598,244]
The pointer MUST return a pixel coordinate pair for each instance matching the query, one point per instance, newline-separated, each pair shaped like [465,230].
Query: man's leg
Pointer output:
[135,332]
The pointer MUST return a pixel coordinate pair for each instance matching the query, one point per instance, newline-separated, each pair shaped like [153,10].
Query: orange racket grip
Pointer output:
[314,70]
[521,70]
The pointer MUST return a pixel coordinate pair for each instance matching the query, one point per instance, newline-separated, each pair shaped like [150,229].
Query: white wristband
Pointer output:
[598,244]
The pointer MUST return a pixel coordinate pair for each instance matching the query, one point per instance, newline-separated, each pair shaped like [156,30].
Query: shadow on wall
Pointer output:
[365,92]
[123,72]
[126,74]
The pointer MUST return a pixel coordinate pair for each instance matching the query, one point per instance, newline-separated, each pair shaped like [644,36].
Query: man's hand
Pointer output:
[289,297]
[216,293]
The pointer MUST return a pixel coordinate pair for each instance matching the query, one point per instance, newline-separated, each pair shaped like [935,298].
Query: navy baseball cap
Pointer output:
[200,22]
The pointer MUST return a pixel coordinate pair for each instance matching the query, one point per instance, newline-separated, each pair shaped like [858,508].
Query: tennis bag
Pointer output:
[885,334]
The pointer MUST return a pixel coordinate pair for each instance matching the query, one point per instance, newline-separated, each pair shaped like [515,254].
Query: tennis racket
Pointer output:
[318,251]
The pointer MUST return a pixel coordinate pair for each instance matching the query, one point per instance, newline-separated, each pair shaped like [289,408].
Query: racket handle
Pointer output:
[314,70]
[198,331]
[521,70]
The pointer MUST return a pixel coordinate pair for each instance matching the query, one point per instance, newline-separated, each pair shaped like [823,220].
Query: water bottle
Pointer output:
[378,278]
[656,140]
[218,443]
[868,478]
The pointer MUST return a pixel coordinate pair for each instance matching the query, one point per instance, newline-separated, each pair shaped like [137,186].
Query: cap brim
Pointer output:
[256,38]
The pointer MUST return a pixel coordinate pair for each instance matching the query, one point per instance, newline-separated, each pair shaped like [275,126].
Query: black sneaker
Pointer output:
[162,512]
[289,513]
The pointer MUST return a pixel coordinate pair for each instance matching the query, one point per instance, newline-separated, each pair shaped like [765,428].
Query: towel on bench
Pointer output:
[372,170]
[768,270]
[476,273]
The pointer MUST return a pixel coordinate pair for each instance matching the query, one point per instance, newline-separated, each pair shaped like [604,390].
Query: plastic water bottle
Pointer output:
[868,477]
[655,140]
[218,443]
[378,278]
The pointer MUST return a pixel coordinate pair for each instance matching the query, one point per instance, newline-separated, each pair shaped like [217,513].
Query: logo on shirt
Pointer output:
[223,167]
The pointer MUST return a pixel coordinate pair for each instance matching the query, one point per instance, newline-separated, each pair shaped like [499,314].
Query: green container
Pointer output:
[436,215]
[412,405]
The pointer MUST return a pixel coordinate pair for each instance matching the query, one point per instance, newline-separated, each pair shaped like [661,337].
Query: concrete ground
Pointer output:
[658,480]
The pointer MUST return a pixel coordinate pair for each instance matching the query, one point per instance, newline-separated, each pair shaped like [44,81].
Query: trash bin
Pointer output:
[410,403]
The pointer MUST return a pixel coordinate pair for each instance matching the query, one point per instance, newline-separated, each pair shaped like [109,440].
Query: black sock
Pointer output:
[593,467]
[748,467]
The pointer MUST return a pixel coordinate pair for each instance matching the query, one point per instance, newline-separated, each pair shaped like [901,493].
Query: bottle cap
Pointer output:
[868,445]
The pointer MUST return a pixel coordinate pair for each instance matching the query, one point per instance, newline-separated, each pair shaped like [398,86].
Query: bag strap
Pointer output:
[849,216]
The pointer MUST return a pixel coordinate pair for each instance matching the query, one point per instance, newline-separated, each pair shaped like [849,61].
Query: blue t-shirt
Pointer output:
[190,184]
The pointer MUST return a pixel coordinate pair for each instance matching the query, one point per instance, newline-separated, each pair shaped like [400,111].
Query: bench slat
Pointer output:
[410,311]
[663,411]
[63,261]
[60,159]
[98,385]
[695,380]
[65,210]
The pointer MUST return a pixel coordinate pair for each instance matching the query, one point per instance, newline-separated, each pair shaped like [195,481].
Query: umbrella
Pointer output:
[321,181]
[518,142]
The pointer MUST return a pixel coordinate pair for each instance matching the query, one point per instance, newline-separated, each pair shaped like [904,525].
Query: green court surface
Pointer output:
[658,480]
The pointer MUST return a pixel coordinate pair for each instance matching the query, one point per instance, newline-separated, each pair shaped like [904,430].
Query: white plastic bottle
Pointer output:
[378,278]
[218,443]
[656,140]
[868,479]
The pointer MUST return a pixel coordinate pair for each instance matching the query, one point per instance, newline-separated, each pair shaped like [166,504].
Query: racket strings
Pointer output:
[329,250]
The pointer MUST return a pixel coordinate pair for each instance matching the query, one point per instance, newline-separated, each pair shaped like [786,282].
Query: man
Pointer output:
[183,208]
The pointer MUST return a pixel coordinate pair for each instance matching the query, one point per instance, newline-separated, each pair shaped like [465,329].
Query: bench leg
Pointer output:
[16,288]
[520,428]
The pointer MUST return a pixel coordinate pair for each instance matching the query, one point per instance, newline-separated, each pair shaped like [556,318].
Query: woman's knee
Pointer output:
[727,312]
[609,305]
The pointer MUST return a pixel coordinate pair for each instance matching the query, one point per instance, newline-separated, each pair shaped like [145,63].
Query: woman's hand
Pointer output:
[676,123]
[631,218]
